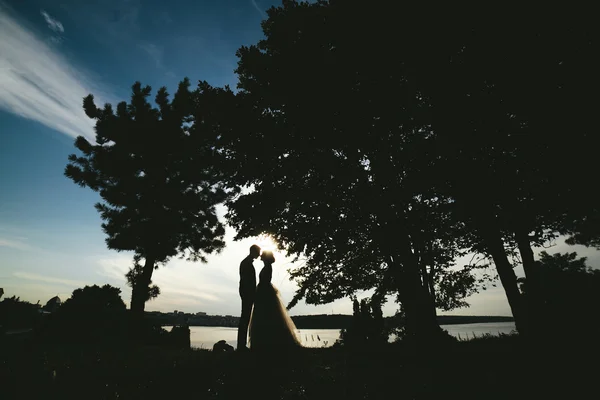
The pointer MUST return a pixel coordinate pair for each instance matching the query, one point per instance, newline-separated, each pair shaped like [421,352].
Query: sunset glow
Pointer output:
[266,242]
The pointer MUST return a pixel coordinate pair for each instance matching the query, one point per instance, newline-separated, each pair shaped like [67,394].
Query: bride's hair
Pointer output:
[267,256]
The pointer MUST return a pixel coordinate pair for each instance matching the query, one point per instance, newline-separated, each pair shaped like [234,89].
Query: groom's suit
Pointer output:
[247,293]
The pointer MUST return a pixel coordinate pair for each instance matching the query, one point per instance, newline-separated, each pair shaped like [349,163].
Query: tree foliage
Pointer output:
[569,288]
[16,313]
[93,301]
[156,182]
[354,126]
[92,315]
[338,152]
[379,155]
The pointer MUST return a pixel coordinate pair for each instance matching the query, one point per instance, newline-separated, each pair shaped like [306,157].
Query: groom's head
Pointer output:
[254,251]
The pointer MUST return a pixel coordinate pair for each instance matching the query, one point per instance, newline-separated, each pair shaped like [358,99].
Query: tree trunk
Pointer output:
[139,293]
[527,257]
[495,246]
[421,321]
[427,276]
[533,293]
[431,282]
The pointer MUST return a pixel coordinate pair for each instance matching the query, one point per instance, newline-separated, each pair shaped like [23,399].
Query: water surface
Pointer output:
[206,336]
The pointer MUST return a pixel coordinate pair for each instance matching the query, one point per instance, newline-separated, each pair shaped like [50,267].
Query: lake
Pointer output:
[206,336]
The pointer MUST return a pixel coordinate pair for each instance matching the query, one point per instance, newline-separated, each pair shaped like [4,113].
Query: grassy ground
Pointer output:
[481,369]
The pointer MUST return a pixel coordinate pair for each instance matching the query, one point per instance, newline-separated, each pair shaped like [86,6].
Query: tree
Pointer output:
[337,151]
[93,301]
[156,183]
[567,287]
[502,95]
[583,229]
[92,314]
[17,313]
[436,239]
[365,122]
[493,95]
[367,326]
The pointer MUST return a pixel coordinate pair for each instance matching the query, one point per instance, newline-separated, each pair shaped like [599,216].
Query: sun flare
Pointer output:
[266,242]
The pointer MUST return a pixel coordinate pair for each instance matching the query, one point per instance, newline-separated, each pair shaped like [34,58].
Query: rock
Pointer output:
[180,336]
[221,346]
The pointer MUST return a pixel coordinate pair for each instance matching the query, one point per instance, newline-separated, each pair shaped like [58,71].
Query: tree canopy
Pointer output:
[344,170]
[155,180]
[379,155]
[355,126]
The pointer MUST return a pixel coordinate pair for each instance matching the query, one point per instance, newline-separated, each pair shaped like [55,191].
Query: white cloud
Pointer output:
[163,18]
[39,84]
[48,279]
[261,11]
[115,268]
[155,52]
[15,243]
[53,23]
[32,292]
[55,39]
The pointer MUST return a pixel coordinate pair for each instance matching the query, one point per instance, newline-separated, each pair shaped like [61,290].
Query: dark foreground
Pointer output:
[497,368]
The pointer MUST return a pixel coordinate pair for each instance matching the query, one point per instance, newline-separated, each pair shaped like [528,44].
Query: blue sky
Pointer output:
[52,54]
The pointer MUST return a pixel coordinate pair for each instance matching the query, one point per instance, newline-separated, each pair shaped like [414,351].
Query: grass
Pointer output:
[482,368]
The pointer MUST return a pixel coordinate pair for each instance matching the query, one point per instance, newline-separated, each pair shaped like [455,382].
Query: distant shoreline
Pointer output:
[322,321]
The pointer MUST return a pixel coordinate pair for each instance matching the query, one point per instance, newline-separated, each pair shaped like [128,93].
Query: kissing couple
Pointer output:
[265,320]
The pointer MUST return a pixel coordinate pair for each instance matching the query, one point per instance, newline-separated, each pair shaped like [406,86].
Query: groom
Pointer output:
[247,292]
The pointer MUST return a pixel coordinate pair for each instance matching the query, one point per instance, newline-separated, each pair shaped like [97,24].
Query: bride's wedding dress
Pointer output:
[271,328]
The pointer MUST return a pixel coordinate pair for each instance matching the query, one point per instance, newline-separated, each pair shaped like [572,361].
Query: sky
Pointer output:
[55,52]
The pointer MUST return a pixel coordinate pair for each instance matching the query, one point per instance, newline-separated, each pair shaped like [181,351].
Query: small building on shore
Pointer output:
[53,304]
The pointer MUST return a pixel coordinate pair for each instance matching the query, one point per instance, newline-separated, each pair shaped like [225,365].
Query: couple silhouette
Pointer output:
[265,324]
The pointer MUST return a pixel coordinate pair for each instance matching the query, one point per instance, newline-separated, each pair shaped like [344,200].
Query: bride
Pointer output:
[271,328]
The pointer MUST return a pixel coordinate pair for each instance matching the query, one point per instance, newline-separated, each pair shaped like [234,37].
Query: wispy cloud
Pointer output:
[260,10]
[181,283]
[55,26]
[48,279]
[155,52]
[15,243]
[194,294]
[163,18]
[53,23]
[126,15]
[114,268]
[38,83]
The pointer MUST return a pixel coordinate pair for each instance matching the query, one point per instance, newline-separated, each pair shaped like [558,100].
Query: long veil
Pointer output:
[271,327]
[289,323]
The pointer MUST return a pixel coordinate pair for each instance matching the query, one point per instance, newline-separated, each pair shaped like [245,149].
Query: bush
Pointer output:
[16,314]
[93,314]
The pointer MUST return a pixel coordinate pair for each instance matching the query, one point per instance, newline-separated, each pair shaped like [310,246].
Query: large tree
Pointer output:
[467,106]
[337,149]
[515,128]
[568,287]
[351,266]
[156,183]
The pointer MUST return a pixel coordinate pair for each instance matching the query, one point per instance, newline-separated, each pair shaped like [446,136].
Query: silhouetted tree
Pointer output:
[94,300]
[367,326]
[337,176]
[157,185]
[93,313]
[584,228]
[17,313]
[569,288]
[134,275]
[488,97]
[499,96]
